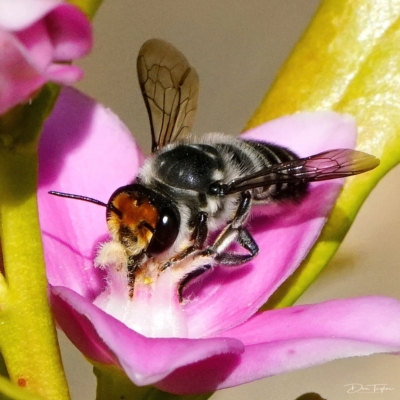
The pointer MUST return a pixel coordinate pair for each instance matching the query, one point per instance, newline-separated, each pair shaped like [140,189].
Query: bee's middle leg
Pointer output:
[235,232]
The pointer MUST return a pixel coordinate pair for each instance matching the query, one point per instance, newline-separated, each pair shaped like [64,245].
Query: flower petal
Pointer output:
[283,340]
[16,15]
[34,36]
[84,149]
[104,339]
[18,78]
[308,133]
[65,74]
[70,33]
[284,239]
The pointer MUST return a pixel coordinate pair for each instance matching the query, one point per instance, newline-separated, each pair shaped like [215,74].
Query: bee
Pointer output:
[193,197]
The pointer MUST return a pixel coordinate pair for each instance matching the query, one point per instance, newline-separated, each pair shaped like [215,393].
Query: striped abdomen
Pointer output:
[248,157]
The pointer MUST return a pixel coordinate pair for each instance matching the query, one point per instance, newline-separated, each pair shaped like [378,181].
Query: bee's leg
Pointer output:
[200,230]
[198,238]
[189,277]
[247,242]
[235,232]
[133,264]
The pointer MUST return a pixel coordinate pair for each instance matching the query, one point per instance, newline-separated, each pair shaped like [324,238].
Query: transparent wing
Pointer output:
[170,88]
[330,164]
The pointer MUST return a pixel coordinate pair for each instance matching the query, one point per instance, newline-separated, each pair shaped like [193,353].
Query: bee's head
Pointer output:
[139,218]
[142,220]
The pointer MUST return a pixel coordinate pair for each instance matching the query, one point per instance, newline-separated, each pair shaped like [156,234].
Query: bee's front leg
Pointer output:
[198,237]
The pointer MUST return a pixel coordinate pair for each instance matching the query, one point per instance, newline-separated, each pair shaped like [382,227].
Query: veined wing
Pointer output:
[331,164]
[170,88]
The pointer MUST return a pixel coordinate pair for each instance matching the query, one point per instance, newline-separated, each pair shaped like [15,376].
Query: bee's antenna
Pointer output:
[110,206]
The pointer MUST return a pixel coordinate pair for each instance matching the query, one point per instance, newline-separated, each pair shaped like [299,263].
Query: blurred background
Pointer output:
[237,48]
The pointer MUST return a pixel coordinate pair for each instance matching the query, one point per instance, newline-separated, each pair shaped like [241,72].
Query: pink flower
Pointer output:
[215,338]
[38,39]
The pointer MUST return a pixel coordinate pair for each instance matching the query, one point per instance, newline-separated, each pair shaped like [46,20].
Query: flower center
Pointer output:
[148,299]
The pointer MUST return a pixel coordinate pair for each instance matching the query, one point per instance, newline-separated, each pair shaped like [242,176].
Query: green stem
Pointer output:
[27,332]
[89,7]
[113,384]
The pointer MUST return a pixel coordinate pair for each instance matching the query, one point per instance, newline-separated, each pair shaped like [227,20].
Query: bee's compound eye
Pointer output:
[165,233]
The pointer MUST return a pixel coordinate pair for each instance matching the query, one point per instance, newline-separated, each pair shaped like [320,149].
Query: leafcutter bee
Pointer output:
[193,197]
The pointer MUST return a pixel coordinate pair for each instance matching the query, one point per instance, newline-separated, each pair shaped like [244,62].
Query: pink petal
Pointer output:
[18,78]
[62,35]
[70,33]
[299,337]
[65,74]
[284,240]
[34,34]
[78,328]
[35,46]
[16,15]
[308,133]
[85,150]
[145,360]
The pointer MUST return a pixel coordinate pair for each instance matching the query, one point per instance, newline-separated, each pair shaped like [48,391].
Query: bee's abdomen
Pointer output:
[252,156]
[272,154]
